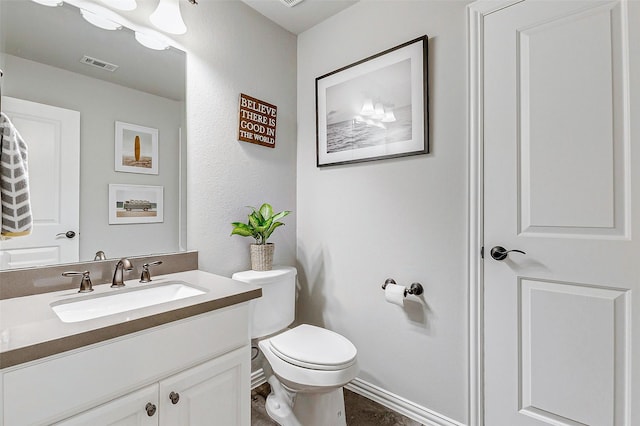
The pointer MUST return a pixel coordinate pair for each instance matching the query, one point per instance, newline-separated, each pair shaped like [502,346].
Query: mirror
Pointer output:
[41,52]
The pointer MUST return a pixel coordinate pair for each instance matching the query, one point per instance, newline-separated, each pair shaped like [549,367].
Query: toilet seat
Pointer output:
[314,348]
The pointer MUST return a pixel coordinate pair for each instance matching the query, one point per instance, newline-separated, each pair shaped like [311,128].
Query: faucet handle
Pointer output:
[85,284]
[145,277]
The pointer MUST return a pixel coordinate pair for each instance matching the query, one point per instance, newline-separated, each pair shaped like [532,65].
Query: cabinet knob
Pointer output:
[174,397]
[151,409]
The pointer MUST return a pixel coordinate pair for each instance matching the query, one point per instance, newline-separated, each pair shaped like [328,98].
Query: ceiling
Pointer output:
[50,35]
[302,16]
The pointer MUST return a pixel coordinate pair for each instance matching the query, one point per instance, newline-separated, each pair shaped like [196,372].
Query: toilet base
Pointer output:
[289,408]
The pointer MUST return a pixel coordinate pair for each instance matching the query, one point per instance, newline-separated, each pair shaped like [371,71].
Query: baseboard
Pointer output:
[258,378]
[400,405]
[394,402]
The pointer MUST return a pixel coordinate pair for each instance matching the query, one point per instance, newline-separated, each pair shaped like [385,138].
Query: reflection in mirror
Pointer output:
[66,83]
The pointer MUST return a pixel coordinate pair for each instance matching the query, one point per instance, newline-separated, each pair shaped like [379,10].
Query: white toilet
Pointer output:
[310,364]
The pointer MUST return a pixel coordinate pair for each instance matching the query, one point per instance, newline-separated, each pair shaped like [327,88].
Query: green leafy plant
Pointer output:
[261,224]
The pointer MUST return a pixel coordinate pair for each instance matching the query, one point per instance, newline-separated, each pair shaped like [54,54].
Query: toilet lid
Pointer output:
[314,347]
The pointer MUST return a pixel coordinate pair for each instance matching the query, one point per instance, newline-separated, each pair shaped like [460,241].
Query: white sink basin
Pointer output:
[123,300]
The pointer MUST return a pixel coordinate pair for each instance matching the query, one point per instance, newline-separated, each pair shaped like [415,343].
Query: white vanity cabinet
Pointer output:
[129,410]
[210,393]
[201,362]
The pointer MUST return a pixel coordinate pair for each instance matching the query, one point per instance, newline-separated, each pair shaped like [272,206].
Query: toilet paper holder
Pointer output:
[415,289]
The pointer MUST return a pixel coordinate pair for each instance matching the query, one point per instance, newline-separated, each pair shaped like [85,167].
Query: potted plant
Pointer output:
[261,224]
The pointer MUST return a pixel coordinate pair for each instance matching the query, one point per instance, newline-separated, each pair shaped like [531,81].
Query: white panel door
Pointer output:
[214,393]
[52,135]
[562,184]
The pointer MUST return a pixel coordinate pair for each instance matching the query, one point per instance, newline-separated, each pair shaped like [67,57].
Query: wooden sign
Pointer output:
[257,121]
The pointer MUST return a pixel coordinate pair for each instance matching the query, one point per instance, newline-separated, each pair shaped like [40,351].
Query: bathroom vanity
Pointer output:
[179,362]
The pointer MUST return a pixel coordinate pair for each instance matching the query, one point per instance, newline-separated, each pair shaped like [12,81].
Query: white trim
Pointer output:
[400,405]
[475,23]
[258,378]
[182,196]
[394,402]
[476,13]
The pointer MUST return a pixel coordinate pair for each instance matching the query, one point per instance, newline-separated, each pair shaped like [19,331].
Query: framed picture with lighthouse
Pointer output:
[136,149]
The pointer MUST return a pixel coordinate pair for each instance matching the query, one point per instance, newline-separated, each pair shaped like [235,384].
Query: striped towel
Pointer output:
[14,182]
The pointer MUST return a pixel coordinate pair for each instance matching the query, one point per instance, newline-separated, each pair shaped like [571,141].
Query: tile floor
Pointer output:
[360,411]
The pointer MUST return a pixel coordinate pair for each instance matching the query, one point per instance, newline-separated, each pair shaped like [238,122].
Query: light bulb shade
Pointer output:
[100,21]
[151,42]
[367,108]
[167,17]
[50,3]
[122,4]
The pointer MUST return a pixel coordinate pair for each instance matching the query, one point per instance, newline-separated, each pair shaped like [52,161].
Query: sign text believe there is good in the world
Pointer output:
[257,121]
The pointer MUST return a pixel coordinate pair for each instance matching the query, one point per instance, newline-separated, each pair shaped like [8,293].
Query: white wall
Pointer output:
[231,49]
[403,218]
[100,105]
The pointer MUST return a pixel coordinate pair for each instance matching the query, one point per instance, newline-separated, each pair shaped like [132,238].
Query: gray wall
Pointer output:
[100,105]
[353,226]
[231,49]
[404,218]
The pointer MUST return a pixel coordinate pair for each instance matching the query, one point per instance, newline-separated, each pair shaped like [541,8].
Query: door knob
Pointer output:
[501,253]
[68,234]
[174,397]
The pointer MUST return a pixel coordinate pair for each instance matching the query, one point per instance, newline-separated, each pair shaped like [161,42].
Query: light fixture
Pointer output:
[367,108]
[50,3]
[100,21]
[122,4]
[150,41]
[167,17]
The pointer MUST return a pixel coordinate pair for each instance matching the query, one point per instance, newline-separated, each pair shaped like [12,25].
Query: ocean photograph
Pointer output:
[370,110]
[357,134]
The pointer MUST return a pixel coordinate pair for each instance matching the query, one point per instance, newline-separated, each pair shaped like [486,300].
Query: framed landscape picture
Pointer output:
[374,109]
[135,204]
[136,149]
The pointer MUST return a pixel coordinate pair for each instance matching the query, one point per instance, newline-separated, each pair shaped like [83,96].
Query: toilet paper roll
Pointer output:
[394,294]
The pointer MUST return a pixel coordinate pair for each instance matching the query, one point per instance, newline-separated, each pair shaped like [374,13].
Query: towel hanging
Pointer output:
[14,182]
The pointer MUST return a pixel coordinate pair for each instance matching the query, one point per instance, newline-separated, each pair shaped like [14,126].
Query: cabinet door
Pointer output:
[129,410]
[213,393]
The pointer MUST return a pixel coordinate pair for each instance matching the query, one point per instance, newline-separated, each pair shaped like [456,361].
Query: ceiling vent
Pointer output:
[291,3]
[99,63]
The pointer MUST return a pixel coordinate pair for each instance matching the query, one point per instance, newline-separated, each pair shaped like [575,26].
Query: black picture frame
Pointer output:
[376,108]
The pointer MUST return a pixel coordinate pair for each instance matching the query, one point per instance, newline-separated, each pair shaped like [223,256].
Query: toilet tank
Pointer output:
[275,310]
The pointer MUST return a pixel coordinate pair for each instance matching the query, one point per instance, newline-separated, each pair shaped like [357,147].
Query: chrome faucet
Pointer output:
[85,284]
[123,264]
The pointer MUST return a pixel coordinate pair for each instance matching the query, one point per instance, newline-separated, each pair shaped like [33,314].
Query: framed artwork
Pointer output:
[136,149]
[135,204]
[374,109]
